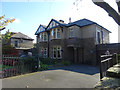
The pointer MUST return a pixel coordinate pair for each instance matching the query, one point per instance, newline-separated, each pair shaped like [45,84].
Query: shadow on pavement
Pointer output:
[85,69]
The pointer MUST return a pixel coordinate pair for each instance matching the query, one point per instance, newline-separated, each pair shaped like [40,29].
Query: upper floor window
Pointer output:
[56,33]
[43,37]
[71,33]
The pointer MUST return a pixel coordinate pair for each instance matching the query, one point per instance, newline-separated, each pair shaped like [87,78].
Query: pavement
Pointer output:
[74,76]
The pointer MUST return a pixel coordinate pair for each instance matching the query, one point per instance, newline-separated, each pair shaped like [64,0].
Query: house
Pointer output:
[21,42]
[75,41]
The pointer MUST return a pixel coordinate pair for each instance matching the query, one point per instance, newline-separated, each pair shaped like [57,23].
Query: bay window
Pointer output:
[57,52]
[56,33]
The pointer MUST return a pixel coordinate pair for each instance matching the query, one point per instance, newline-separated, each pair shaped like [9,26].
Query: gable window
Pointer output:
[45,53]
[71,33]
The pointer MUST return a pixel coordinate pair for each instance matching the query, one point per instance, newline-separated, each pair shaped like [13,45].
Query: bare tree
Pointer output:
[111,11]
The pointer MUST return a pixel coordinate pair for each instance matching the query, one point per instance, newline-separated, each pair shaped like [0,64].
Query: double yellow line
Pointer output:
[21,75]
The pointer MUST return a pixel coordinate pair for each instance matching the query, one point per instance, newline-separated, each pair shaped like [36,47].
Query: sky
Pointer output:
[29,14]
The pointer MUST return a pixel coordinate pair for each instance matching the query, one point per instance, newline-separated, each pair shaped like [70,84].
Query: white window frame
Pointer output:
[58,48]
[60,52]
[57,33]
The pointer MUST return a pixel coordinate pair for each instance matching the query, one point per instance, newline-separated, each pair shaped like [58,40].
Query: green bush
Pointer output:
[66,63]
[43,67]
[49,61]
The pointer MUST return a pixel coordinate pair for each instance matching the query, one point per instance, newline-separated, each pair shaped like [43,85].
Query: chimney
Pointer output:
[69,19]
[8,30]
[61,21]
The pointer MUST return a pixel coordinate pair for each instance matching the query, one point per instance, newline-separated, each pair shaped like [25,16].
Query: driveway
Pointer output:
[74,76]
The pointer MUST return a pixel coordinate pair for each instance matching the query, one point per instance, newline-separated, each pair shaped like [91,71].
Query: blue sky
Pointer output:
[29,15]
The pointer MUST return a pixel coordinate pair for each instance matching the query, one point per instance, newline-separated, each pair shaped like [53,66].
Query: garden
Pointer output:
[48,63]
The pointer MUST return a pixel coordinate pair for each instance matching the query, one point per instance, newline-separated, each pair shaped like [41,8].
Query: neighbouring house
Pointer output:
[75,41]
[21,42]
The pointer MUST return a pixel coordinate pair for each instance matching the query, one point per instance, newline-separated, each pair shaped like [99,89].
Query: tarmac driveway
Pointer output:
[74,76]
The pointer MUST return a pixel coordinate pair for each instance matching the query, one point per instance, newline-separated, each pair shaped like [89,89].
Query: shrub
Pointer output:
[66,63]
[43,67]
[49,61]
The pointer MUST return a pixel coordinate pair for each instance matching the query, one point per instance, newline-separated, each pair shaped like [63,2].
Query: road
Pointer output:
[75,76]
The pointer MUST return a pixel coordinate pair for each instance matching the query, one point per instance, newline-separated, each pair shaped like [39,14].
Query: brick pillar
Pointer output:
[75,54]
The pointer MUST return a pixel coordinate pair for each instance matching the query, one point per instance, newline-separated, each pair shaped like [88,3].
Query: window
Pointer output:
[54,52]
[41,36]
[57,52]
[16,43]
[54,33]
[71,33]
[21,41]
[45,36]
[98,37]
[58,34]
[45,53]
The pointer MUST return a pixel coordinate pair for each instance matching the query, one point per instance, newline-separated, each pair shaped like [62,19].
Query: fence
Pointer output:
[13,65]
[106,62]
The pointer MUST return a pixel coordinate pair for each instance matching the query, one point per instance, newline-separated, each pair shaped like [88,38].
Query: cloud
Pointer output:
[17,20]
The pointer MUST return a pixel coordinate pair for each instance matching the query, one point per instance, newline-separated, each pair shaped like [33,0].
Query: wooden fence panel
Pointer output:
[106,61]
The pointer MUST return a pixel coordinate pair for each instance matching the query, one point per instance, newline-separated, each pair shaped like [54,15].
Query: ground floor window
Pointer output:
[57,52]
[43,52]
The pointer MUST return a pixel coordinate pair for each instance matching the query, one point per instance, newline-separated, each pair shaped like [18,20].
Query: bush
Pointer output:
[43,67]
[66,63]
[49,61]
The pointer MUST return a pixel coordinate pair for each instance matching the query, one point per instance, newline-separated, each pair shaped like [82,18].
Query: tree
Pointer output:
[6,37]
[4,22]
[111,11]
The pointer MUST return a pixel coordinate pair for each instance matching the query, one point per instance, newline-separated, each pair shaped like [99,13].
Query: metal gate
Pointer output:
[13,65]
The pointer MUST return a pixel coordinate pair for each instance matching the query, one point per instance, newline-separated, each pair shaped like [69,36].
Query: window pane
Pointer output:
[54,52]
[45,37]
[58,33]
[54,33]
[58,52]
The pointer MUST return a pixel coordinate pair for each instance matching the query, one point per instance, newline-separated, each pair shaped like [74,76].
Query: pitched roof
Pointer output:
[21,35]
[59,24]
[38,30]
[84,22]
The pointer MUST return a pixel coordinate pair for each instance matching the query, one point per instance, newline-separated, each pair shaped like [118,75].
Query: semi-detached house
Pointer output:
[75,41]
